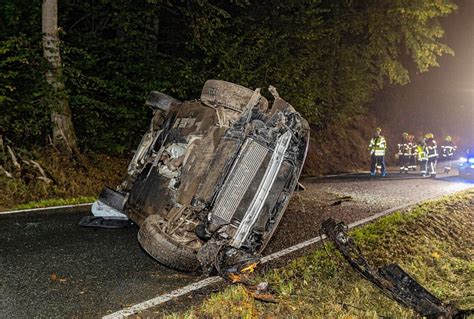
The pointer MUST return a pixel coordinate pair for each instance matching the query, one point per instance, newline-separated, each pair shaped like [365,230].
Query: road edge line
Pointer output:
[66,208]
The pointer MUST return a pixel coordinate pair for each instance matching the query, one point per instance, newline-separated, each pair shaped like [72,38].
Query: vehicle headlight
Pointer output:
[463,160]
[471,160]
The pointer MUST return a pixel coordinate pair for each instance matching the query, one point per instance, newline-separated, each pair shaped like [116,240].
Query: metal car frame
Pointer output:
[211,178]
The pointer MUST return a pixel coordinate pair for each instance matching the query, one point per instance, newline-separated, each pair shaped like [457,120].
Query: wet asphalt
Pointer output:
[52,268]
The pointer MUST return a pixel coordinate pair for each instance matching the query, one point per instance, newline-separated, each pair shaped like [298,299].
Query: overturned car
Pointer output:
[211,178]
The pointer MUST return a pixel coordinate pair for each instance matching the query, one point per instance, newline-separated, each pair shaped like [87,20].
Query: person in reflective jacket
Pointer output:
[447,152]
[432,152]
[422,156]
[412,146]
[403,153]
[377,148]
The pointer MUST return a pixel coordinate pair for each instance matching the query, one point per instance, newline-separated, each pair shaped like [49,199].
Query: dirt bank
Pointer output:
[340,147]
[69,177]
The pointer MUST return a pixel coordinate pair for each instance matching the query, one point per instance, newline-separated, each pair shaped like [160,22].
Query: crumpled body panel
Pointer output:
[212,177]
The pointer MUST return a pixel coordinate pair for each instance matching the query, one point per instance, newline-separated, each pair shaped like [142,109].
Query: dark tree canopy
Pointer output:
[326,57]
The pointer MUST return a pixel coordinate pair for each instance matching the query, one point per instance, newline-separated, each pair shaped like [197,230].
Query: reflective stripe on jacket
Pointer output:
[448,149]
[432,149]
[421,153]
[402,148]
[377,146]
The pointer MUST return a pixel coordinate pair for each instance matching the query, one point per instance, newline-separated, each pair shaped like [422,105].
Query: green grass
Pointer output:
[434,242]
[55,202]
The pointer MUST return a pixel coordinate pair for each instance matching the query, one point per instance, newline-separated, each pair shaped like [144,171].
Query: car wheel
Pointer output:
[229,95]
[157,100]
[162,248]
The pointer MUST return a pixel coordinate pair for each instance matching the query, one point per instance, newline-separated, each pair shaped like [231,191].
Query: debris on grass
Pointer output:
[391,279]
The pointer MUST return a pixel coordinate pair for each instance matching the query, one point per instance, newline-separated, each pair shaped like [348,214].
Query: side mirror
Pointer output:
[160,101]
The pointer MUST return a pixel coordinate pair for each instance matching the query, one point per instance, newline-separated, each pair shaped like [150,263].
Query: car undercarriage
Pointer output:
[211,178]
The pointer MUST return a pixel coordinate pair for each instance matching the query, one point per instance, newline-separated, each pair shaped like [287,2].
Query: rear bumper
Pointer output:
[110,205]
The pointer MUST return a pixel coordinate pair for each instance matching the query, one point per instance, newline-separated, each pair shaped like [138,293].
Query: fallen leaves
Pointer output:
[435,255]
[234,278]
[262,292]
[56,278]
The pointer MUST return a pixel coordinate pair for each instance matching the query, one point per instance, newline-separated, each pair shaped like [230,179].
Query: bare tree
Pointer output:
[64,135]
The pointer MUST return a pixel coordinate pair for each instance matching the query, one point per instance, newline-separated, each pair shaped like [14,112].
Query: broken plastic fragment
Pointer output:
[249,268]
[391,279]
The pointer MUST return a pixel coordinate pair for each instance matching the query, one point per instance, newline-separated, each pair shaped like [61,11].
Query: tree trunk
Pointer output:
[64,136]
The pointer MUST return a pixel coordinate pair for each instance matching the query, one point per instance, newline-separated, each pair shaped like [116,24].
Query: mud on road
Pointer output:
[50,267]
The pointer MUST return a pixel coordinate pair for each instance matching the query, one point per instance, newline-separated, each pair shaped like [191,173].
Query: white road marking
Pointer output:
[216,279]
[47,209]
[164,298]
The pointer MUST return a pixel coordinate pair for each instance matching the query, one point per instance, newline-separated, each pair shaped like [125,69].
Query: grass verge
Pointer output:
[434,242]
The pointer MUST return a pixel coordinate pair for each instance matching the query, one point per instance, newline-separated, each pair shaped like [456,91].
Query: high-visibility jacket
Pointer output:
[448,148]
[378,146]
[421,153]
[431,148]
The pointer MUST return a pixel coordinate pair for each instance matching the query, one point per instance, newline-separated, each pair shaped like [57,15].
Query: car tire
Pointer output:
[227,94]
[162,248]
[160,101]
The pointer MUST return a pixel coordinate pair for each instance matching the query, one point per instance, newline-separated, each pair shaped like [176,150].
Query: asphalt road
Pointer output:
[353,197]
[50,267]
